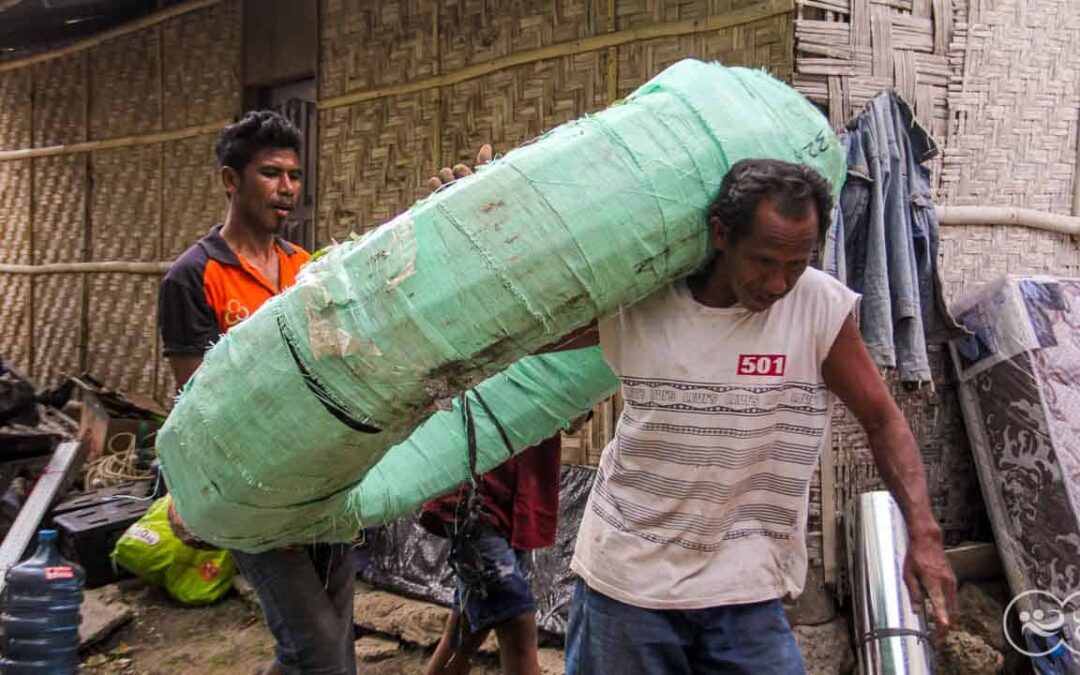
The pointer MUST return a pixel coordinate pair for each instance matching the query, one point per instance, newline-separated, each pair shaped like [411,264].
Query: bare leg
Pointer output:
[445,661]
[517,645]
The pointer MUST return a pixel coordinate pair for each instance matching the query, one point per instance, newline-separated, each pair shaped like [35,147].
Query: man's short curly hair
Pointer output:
[258,130]
[794,187]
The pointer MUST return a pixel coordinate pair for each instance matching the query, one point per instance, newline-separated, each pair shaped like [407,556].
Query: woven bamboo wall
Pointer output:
[59,235]
[431,81]
[1012,135]
[15,177]
[142,202]
[996,83]
[846,52]
[60,103]
[15,99]
[15,317]
[124,86]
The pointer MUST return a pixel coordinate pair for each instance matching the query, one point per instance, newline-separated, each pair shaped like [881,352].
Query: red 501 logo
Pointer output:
[768,365]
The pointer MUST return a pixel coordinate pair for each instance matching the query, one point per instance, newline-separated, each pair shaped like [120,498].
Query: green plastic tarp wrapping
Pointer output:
[274,440]
[531,400]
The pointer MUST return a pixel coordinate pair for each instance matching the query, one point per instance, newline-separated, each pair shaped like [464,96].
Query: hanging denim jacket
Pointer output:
[889,229]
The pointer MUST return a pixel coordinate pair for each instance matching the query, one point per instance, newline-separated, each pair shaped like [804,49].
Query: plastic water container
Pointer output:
[41,613]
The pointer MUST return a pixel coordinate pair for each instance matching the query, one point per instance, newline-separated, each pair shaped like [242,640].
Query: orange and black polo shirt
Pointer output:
[210,288]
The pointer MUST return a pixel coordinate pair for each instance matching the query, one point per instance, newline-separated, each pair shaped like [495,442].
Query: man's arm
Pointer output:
[850,373]
[183,367]
[186,321]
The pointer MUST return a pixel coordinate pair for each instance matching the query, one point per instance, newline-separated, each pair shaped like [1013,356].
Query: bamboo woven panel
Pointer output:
[1012,136]
[371,43]
[126,203]
[60,100]
[571,450]
[848,51]
[165,384]
[374,161]
[194,200]
[977,254]
[814,535]
[59,209]
[15,212]
[16,106]
[586,445]
[15,321]
[934,416]
[122,332]
[935,419]
[58,334]
[476,31]
[202,66]
[515,105]
[766,43]
[125,85]
[640,13]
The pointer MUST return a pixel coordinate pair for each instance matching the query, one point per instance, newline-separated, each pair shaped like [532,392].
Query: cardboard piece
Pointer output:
[114,421]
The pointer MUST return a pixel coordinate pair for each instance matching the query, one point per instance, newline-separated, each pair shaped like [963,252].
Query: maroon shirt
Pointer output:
[520,498]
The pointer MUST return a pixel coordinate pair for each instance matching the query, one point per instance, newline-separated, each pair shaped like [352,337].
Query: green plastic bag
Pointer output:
[150,550]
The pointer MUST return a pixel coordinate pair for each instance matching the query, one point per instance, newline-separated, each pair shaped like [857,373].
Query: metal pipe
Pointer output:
[53,481]
[890,637]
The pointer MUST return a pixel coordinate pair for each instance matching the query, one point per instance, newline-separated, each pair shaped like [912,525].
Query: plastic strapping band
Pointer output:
[884,633]
[470,435]
[498,425]
[472,504]
[317,388]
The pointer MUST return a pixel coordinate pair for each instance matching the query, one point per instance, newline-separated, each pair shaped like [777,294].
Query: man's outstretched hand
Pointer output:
[448,174]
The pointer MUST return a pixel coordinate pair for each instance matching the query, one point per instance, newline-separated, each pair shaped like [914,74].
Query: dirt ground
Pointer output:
[228,638]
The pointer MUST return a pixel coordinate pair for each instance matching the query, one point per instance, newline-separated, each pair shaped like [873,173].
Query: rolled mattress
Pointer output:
[272,441]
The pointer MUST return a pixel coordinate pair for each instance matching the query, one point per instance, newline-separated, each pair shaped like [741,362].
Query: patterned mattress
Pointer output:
[1019,373]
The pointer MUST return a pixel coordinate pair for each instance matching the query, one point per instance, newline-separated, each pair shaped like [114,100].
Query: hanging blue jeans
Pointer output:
[889,228]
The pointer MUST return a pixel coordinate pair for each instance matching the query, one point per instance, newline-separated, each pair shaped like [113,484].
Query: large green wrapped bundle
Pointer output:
[530,401]
[269,442]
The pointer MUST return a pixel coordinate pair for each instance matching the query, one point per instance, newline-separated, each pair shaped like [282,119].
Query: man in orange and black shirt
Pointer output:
[306,592]
[210,289]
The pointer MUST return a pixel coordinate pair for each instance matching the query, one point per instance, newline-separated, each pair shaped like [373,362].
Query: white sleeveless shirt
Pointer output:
[701,498]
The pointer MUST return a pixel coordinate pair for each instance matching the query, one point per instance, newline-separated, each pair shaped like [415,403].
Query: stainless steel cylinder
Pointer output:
[890,638]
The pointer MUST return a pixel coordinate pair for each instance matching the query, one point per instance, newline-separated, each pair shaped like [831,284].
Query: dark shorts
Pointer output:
[506,597]
[608,636]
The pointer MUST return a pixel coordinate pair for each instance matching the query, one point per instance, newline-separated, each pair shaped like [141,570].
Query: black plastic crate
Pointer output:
[85,500]
[88,535]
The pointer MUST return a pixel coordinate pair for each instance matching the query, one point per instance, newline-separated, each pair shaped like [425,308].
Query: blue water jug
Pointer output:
[41,613]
